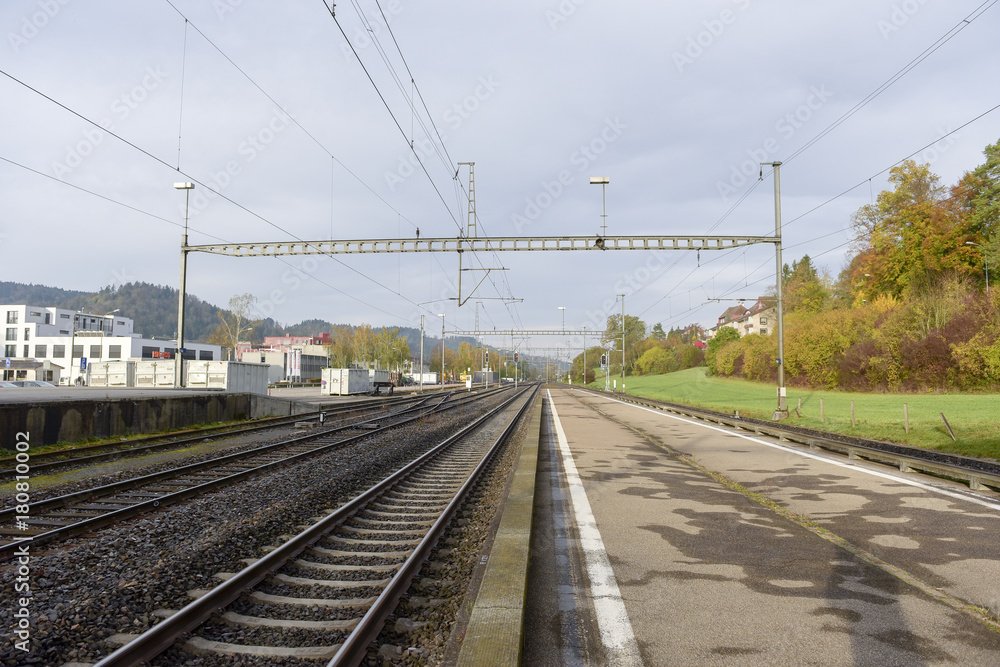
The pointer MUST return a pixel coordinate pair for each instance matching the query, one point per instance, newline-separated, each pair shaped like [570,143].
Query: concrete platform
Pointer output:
[669,542]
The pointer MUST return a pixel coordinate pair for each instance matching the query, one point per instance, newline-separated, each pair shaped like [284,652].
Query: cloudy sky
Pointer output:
[264,105]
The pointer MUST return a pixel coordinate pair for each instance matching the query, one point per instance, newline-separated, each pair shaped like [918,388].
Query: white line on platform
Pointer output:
[612,618]
[818,457]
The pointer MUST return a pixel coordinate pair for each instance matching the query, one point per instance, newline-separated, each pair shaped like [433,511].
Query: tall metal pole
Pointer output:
[421,387]
[441,315]
[181,293]
[782,411]
[585,356]
[623,343]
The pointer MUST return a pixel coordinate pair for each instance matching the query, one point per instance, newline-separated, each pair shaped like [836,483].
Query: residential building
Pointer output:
[758,318]
[72,339]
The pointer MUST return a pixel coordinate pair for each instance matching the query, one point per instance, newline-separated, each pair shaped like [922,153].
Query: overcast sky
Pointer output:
[266,104]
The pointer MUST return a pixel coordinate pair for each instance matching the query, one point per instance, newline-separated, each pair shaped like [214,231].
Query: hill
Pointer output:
[153,308]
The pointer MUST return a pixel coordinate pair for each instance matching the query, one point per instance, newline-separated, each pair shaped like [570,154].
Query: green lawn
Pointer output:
[975,418]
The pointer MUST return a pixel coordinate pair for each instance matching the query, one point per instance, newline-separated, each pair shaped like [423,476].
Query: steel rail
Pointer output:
[977,473]
[353,650]
[211,433]
[109,518]
[164,634]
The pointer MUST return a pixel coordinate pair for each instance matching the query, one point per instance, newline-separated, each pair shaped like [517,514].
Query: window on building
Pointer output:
[35,313]
[47,375]
[763,321]
[190,355]
[11,333]
[58,351]
[147,351]
[114,351]
[25,352]
[27,333]
[763,332]
[205,355]
[64,316]
[10,350]
[41,351]
[77,351]
[64,332]
[11,317]
[48,318]
[95,351]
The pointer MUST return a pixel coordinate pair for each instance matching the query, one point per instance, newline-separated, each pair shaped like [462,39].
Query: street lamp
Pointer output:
[987,260]
[179,362]
[603,182]
[441,315]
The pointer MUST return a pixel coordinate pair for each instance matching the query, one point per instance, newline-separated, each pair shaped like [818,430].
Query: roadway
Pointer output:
[660,540]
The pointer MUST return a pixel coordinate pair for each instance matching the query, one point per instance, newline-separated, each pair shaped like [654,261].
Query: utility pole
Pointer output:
[421,388]
[782,411]
[179,357]
[623,343]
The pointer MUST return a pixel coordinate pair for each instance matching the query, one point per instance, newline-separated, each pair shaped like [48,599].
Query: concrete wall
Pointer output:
[71,421]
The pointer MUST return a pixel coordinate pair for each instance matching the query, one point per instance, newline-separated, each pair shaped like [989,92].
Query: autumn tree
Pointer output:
[340,350]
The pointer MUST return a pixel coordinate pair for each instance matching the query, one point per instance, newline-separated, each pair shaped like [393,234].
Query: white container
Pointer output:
[112,374]
[344,381]
[235,377]
[149,374]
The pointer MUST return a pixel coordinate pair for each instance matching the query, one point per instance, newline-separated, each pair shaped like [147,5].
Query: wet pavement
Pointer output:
[728,548]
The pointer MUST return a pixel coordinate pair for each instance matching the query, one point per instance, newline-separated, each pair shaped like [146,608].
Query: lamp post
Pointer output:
[603,182]
[179,361]
[987,260]
[441,315]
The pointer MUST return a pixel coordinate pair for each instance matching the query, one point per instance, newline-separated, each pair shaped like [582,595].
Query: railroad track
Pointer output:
[65,516]
[85,455]
[977,473]
[333,585]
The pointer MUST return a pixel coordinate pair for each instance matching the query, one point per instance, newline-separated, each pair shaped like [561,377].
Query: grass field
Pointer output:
[974,418]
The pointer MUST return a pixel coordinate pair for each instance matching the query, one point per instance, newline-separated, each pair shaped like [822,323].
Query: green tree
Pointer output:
[723,336]
[635,333]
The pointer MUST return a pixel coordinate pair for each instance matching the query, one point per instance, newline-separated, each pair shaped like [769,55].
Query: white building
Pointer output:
[72,339]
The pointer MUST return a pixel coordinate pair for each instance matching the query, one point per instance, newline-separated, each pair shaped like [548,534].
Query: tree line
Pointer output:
[914,309]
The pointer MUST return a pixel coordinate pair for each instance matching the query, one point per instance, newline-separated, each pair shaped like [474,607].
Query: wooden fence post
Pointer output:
[948,426]
[853,423]
[906,418]
[821,417]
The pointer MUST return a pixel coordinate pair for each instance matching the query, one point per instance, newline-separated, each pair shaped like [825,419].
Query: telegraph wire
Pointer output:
[926,53]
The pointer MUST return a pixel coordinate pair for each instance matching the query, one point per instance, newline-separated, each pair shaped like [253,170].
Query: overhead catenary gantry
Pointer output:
[467,243]
[480,244]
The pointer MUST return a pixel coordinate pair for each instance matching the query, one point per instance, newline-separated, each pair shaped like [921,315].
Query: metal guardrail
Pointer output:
[974,472]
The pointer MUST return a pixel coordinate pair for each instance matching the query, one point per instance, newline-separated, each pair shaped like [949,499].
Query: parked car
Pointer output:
[33,383]
[5,384]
